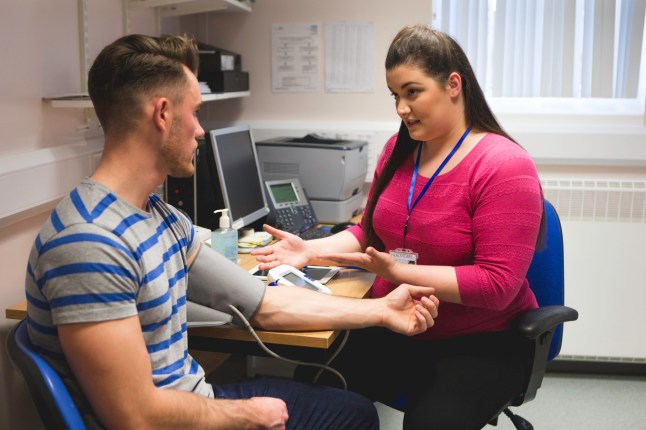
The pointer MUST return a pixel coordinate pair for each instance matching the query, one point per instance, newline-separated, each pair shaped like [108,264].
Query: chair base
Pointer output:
[519,422]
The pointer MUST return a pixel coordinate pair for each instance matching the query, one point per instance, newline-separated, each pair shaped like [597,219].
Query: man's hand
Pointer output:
[268,413]
[410,309]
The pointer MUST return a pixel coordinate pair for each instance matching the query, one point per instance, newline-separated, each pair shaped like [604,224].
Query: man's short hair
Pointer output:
[136,66]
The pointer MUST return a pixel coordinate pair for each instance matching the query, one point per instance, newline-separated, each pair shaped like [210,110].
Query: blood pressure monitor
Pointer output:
[288,275]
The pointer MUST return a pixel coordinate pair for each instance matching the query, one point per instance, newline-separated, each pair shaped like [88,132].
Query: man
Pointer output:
[108,274]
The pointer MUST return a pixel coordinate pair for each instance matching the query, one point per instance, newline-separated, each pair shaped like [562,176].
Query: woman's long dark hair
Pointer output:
[438,55]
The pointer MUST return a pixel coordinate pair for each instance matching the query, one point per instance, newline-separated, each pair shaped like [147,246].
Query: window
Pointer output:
[568,55]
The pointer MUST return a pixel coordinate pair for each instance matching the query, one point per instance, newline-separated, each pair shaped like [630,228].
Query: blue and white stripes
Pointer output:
[99,258]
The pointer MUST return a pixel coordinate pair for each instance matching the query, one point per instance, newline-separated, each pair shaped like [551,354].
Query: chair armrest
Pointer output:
[535,322]
[538,327]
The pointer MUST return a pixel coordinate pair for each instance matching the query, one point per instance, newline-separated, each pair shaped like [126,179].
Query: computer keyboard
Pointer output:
[315,233]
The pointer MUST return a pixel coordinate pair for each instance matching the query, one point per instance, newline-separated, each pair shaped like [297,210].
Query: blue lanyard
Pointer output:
[430,181]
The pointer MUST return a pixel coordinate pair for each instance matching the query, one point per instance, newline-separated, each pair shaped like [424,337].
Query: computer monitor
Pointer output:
[231,154]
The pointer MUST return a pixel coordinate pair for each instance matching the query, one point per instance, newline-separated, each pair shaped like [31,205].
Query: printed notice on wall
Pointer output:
[349,57]
[296,57]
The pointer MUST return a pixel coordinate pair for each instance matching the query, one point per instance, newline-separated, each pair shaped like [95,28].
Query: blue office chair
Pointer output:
[53,401]
[542,327]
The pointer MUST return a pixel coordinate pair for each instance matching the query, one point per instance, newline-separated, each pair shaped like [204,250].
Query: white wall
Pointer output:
[39,42]
[250,35]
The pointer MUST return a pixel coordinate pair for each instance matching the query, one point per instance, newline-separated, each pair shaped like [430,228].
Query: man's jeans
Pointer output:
[309,407]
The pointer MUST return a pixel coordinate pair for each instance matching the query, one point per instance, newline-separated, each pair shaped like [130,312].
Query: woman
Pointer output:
[455,204]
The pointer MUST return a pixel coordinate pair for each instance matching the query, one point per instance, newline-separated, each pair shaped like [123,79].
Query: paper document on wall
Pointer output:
[349,57]
[295,59]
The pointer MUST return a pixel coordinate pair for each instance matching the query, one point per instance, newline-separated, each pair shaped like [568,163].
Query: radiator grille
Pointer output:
[602,359]
[604,232]
[597,199]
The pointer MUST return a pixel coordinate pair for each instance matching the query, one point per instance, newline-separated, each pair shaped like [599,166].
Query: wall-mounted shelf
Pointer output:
[223,96]
[76,101]
[186,7]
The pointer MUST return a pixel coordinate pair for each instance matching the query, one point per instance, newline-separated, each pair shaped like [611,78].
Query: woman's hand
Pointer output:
[410,309]
[289,249]
[379,263]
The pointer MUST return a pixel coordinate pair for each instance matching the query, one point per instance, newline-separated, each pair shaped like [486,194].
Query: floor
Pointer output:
[565,401]
[571,402]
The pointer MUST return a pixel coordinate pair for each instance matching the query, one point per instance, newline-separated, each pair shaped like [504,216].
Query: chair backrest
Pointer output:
[546,272]
[53,401]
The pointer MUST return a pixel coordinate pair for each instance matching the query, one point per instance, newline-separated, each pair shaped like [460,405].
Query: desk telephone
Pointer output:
[290,210]
[290,207]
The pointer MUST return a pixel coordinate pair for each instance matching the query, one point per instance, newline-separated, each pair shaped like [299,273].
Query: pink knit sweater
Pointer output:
[482,217]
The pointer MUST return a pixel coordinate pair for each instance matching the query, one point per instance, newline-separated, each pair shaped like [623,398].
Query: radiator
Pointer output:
[604,233]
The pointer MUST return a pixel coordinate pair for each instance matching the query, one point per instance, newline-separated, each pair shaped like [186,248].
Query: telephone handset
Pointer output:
[290,208]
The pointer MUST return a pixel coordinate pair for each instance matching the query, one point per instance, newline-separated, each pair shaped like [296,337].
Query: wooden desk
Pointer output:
[349,283]
[17,311]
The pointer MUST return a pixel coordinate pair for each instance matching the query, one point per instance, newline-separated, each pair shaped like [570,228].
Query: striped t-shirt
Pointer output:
[99,258]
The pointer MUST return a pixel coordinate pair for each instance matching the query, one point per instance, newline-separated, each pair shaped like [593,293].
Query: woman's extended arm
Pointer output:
[442,278]
[291,249]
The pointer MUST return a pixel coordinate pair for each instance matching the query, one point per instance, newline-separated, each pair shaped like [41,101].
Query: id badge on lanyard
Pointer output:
[404,255]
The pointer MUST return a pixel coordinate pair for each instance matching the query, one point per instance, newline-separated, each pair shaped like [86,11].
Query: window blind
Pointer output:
[550,48]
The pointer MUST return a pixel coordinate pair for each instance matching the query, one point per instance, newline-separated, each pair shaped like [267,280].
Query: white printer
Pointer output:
[331,171]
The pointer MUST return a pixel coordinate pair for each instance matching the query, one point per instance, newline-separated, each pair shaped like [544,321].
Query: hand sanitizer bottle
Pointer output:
[225,239]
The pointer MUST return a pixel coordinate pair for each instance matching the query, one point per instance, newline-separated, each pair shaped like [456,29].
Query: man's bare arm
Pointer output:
[111,363]
[408,310]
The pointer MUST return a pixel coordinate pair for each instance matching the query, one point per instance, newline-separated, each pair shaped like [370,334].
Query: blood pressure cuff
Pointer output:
[214,283]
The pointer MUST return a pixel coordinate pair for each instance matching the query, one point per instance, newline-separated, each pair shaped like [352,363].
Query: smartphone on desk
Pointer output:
[323,274]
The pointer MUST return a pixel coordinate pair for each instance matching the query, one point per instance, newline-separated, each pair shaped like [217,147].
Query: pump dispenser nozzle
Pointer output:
[225,222]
